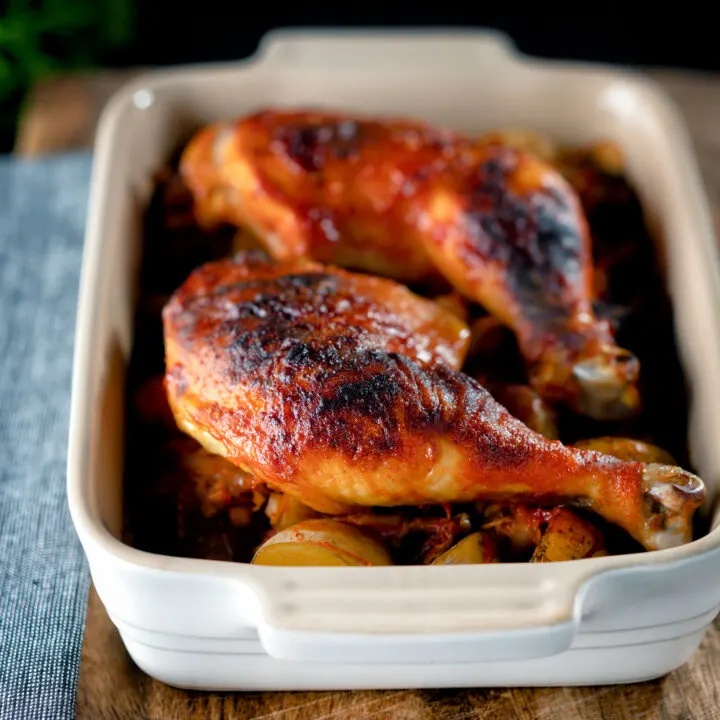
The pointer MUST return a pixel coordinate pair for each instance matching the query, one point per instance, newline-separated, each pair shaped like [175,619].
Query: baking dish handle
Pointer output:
[464,615]
[348,49]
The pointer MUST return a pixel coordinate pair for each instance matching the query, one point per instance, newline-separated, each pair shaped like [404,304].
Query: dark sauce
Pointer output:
[636,300]
[162,514]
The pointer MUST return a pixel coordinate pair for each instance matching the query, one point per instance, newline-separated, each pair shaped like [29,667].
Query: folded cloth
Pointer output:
[43,574]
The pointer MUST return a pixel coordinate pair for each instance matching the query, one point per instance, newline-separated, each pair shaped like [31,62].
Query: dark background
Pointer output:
[623,33]
[39,38]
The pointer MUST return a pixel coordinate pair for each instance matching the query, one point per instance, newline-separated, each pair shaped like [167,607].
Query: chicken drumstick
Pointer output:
[409,201]
[342,390]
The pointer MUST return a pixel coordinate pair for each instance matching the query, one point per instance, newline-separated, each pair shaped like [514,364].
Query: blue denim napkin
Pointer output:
[43,573]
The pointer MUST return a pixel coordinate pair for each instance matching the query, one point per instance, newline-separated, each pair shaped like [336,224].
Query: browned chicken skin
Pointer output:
[336,388]
[409,201]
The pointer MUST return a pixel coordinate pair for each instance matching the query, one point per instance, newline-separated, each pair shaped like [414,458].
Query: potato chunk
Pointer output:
[321,542]
[474,549]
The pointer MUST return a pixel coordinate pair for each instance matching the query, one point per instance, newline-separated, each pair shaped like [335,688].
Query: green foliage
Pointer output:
[41,37]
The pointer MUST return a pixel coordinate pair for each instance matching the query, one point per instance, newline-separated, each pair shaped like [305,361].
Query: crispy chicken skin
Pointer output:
[410,201]
[320,186]
[336,388]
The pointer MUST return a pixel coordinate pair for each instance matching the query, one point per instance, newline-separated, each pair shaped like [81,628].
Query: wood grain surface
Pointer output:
[61,115]
[111,687]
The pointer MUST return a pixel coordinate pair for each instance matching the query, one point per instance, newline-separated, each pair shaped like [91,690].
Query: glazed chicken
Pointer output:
[343,391]
[410,201]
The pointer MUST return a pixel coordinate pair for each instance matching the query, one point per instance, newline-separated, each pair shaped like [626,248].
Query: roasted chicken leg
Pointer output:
[343,391]
[407,200]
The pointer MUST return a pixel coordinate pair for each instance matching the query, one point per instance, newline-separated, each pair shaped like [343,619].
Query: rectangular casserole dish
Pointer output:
[214,625]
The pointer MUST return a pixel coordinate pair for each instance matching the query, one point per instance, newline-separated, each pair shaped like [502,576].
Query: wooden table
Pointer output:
[61,115]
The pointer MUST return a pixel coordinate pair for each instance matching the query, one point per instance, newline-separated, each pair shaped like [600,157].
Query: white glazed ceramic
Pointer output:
[215,625]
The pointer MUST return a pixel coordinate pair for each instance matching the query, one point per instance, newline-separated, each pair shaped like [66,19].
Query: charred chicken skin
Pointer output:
[343,391]
[410,201]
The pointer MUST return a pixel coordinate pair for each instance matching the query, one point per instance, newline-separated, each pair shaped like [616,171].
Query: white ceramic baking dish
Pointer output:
[216,625]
